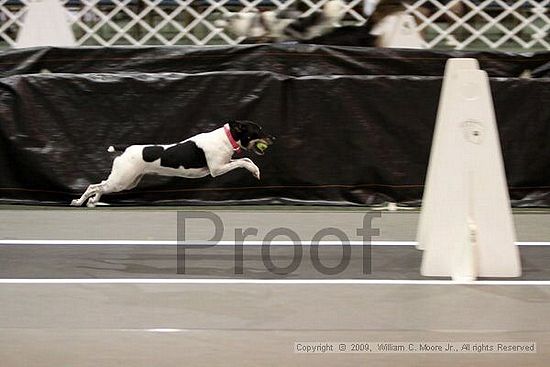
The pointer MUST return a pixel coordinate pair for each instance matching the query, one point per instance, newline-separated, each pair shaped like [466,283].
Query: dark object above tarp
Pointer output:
[286,59]
[341,139]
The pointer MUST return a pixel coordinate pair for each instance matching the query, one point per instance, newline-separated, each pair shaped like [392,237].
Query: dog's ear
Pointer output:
[237,126]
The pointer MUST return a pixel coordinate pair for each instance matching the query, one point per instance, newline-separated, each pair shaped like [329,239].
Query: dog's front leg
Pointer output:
[217,170]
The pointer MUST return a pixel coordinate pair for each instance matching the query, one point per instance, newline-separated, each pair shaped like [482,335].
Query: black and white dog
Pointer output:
[284,25]
[199,156]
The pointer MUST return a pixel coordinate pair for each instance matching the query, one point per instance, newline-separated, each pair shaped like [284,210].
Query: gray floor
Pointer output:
[75,323]
[162,224]
[123,261]
[257,325]
[105,260]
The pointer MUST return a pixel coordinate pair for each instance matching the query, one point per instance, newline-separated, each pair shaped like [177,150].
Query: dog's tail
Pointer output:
[117,148]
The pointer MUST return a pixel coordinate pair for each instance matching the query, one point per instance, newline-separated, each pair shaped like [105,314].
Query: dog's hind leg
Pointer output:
[91,190]
[96,194]
[125,175]
[107,187]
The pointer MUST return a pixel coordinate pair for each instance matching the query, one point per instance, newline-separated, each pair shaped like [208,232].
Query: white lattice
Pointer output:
[494,24]
[11,14]
[491,24]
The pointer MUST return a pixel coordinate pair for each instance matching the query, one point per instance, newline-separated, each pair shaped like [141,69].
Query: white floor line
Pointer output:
[277,281]
[220,243]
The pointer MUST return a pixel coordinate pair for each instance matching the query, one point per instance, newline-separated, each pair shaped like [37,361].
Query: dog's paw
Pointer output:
[75,203]
[256,173]
[90,204]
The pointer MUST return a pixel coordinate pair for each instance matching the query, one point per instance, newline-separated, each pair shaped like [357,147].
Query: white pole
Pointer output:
[45,24]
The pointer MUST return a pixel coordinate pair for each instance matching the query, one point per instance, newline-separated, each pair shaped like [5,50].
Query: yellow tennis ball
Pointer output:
[261,146]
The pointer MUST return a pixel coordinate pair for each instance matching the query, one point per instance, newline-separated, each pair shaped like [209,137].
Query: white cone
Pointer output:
[466,226]
[439,147]
[45,24]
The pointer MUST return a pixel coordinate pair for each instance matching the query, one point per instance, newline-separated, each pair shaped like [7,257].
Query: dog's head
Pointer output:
[249,134]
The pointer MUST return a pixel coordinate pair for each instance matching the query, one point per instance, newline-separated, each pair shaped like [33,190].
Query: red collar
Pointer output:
[234,144]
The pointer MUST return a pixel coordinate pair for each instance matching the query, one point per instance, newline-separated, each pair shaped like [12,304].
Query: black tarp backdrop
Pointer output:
[346,134]
[293,60]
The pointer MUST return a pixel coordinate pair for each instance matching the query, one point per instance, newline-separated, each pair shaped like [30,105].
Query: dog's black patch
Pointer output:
[186,155]
[302,25]
[151,154]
